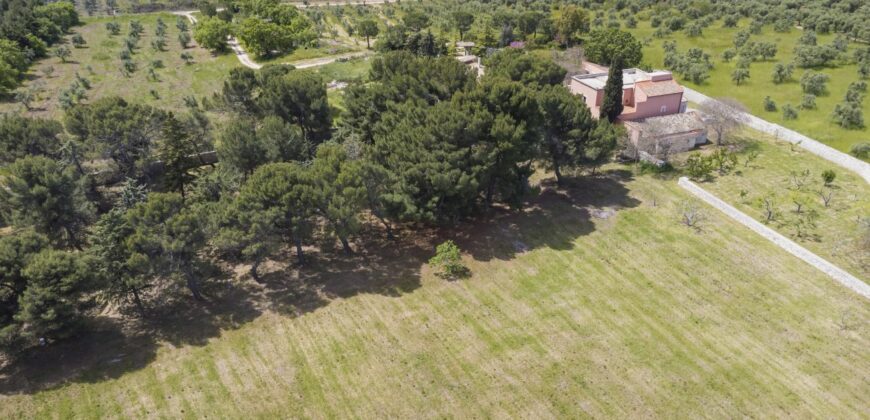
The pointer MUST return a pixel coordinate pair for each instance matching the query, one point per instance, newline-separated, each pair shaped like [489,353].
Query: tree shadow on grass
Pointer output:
[554,219]
[377,266]
[104,350]
[112,346]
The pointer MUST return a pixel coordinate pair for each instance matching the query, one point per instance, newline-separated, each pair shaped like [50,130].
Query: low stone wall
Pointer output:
[813,146]
[781,241]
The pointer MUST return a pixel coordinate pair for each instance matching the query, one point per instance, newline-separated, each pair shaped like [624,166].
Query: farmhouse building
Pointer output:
[654,109]
[644,94]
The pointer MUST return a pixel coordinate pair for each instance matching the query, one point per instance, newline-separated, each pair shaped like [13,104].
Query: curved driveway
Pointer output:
[247,61]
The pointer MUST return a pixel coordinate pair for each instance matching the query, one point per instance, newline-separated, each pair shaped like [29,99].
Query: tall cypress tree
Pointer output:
[611,106]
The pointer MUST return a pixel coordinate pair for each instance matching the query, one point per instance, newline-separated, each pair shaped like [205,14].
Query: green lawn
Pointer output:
[813,123]
[837,234]
[353,69]
[565,315]
[99,62]
[310,53]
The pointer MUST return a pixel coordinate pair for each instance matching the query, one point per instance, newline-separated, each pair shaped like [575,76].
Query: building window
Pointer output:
[664,109]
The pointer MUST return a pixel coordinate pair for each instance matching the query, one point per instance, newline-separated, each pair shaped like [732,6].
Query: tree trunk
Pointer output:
[137,300]
[300,257]
[389,227]
[345,245]
[193,284]
[72,239]
[490,191]
[254,273]
[75,157]
[368,46]
[384,221]
[558,170]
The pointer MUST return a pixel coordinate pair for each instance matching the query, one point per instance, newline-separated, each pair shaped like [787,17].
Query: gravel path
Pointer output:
[305,64]
[243,56]
[813,146]
[246,60]
[302,5]
[781,241]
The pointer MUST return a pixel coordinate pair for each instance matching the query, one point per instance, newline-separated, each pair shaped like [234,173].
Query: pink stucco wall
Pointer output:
[652,106]
[591,96]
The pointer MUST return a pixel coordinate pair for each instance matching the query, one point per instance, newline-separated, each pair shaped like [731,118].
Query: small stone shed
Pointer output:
[666,135]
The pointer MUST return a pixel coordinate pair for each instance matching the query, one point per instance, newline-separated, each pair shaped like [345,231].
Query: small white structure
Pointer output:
[472,62]
[464,48]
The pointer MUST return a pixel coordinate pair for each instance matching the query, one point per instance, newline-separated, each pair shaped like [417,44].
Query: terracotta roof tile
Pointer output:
[660,88]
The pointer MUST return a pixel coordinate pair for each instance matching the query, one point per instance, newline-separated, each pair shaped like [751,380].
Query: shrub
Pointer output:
[782,72]
[730,21]
[113,28]
[828,176]
[741,38]
[808,101]
[769,104]
[645,168]
[860,150]
[848,115]
[789,112]
[782,25]
[814,83]
[739,75]
[855,92]
[698,167]
[78,41]
[815,55]
[449,261]
[864,69]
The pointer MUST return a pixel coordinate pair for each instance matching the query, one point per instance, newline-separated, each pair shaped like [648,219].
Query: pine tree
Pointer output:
[566,127]
[108,241]
[275,191]
[175,150]
[335,192]
[57,283]
[166,240]
[44,195]
[611,106]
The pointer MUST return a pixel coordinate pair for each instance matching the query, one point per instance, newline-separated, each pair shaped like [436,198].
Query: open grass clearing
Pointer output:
[100,63]
[591,302]
[815,123]
[306,53]
[345,71]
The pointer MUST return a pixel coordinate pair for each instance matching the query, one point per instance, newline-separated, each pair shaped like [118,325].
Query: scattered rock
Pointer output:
[604,213]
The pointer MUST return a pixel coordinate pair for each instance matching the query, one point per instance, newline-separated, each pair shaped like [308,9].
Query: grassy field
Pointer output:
[99,62]
[335,38]
[309,53]
[836,236]
[591,302]
[354,69]
[813,123]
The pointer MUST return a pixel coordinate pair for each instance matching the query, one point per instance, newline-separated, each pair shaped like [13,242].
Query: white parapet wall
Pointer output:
[790,246]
